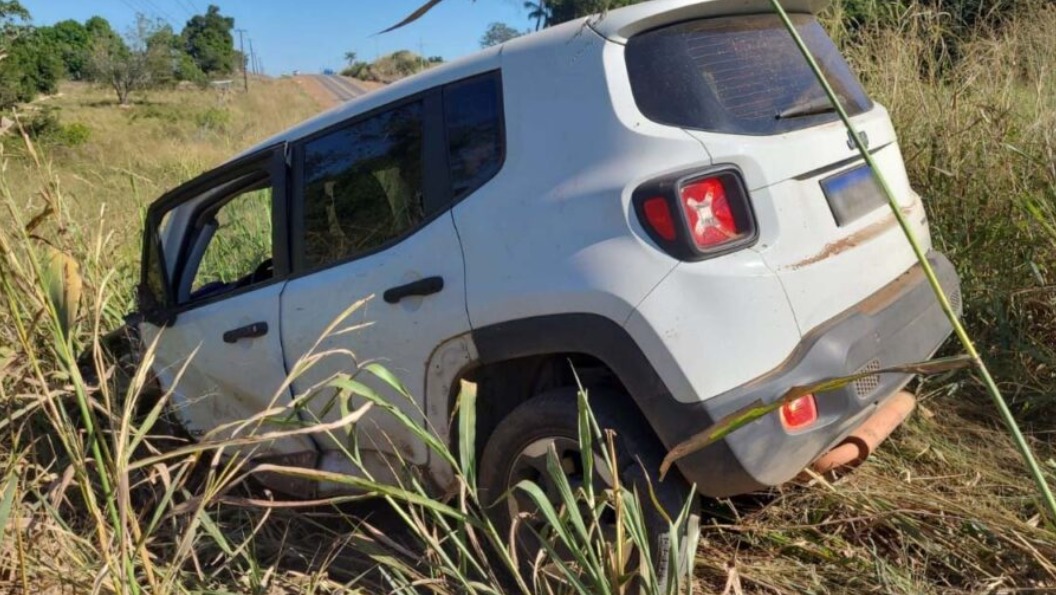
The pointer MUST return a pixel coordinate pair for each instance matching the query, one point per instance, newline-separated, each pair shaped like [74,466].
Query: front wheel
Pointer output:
[518,450]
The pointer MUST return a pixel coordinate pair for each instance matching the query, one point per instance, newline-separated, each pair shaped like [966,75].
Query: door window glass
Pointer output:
[473,115]
[236,238]
[363,186]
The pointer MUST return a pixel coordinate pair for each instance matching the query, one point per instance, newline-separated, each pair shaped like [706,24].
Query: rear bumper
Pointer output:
[901,323]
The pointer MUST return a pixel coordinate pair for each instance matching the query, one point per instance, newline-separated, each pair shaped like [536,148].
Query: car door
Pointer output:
[215,264]
[372,222]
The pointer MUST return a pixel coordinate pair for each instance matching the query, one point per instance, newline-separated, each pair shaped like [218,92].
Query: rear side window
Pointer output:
[739,75]
[473,116]
[363,186]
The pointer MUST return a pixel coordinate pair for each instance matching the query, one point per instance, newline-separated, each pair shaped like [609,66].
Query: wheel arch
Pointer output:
[584,340]
[527,353]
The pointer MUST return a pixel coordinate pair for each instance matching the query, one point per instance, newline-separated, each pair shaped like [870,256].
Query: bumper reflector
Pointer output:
[800,413]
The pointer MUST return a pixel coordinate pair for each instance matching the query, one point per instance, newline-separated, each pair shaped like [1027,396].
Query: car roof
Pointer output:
[617,25]
[468,66]
[621,24]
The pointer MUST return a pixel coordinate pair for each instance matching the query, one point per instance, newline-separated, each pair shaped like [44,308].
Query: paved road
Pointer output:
[343,88]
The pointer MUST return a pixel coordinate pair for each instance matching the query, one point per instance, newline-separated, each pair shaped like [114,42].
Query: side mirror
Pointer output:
[151,309]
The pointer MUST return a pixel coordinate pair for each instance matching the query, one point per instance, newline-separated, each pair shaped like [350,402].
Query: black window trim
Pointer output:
[437,189]
[274,160]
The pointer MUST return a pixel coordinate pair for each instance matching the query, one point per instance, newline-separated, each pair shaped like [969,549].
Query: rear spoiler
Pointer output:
[621,24]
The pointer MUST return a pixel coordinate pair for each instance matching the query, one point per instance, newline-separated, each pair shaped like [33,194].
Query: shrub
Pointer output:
[213,119]
[46,127]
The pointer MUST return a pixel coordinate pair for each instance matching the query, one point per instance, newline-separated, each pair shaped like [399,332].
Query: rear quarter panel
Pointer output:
[554,231]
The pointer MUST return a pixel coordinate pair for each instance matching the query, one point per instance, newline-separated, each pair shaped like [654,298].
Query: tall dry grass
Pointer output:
[946,505]
[977,124]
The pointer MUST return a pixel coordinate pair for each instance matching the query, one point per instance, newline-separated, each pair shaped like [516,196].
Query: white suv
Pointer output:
[659,198]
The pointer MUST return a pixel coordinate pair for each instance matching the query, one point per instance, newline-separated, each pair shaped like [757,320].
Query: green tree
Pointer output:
[99,28]
[207,39]
[543,12]
[498,33]
[13,23]
[538,11]
[72,43]
[28,66]
[566,10]
[130,64]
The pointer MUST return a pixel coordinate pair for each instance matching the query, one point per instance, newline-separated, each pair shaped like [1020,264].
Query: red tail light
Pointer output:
[709,216]
[800,413]
[658,216]
[693,216]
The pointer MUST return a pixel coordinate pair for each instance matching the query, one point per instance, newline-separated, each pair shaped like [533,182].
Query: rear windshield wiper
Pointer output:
[813,108]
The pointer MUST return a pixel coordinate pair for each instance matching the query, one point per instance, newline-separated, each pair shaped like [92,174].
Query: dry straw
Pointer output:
[958,328]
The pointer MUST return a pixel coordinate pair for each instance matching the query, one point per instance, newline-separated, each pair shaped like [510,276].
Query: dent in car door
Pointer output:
[218,347]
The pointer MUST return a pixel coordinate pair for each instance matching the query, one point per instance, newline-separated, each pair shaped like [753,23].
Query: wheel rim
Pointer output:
[531,464]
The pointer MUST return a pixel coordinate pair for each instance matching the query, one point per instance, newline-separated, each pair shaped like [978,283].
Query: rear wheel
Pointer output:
[517,450]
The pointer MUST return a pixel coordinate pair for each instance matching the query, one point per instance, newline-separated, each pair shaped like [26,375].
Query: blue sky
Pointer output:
[309,35]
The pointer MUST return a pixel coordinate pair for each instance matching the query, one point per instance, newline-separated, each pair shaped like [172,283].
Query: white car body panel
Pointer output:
[214,383]
[399,336]
[564,188]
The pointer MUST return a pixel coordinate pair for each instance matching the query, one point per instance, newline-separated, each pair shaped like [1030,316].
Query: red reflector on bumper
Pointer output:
[799,413]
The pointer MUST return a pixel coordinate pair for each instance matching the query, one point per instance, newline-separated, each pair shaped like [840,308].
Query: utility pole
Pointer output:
[242,49]
[252,57]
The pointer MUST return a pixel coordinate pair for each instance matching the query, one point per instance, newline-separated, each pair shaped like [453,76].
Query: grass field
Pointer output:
[945,506]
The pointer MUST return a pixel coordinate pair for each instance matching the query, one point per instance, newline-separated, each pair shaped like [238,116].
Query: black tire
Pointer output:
[554,414]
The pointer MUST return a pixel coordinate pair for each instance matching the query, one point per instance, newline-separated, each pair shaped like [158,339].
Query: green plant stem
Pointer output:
[958,327]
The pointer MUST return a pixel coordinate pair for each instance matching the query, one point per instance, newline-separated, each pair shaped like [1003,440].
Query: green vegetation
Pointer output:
[150,55]
[498,33]
[389,68]
[208,41]
[944,506]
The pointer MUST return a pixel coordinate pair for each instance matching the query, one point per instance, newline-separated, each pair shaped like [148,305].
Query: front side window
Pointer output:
[233,247]
[473,116]
[362,186]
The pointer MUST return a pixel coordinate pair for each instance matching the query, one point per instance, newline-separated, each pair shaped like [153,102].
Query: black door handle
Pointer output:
[250,331]
[422,287]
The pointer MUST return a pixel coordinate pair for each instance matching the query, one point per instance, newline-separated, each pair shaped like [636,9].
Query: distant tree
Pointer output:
[72,43]
[14,19]
[99,28]
[164,53]
[207,39]
[544,12]
[539,12]
[128,65]
[498,33]
[28,66]
[351,57]
[561,11]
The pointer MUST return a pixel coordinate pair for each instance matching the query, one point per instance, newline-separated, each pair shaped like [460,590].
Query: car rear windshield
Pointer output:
[739,75]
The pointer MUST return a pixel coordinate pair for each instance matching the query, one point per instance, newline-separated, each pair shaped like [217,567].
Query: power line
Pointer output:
[187,8]
[141,7]
[158,9]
